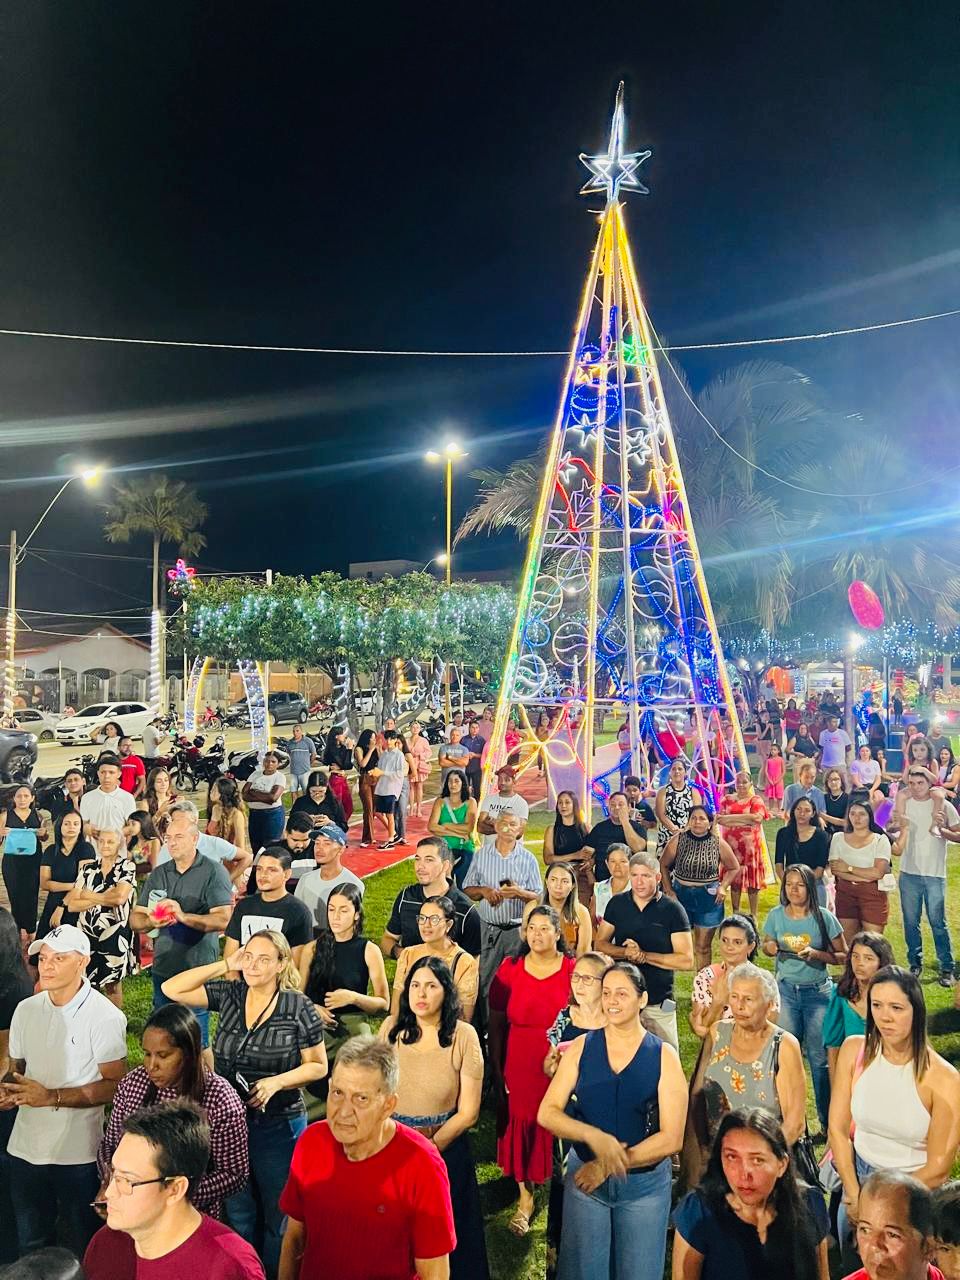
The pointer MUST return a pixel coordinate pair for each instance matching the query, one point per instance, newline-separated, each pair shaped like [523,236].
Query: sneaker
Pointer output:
[947,979]
[917,970]
[366,844]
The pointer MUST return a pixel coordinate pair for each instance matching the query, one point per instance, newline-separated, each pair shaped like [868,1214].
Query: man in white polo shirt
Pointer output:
[68,1049]
[108,807]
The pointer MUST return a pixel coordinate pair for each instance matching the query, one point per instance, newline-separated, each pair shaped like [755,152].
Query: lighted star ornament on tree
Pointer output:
[614,623]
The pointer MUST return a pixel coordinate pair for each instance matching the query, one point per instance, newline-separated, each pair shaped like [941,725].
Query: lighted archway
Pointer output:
[254,691]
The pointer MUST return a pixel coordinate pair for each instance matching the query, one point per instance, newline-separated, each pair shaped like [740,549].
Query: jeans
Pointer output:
[846,1236]
[917,892]
[802,1010]
[45,1194]
[265,826]
[254,1212]
[620,1230]
[202,1015]
[400,813]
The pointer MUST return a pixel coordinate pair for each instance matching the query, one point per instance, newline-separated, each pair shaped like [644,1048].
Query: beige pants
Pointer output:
[662,1023]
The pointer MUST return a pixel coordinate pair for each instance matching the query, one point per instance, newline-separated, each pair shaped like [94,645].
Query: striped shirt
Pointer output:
[490,868]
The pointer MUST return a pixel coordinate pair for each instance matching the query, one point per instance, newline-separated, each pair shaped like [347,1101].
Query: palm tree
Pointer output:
[167,510]
[768,412]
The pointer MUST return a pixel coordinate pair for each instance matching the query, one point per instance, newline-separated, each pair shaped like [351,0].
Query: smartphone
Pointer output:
[241,1081]
[506,884]
[669,1005]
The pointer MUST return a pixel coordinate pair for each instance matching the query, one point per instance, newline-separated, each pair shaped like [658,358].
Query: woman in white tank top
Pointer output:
[901,1099]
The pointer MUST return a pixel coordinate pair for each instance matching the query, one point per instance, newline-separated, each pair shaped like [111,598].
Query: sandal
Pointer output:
[519,1224]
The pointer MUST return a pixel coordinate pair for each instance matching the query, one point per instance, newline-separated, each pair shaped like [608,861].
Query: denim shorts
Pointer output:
[700,903]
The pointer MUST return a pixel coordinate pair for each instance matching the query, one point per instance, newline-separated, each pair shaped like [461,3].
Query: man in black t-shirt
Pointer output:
[433,867]
[640,810]
[271,907]
[616,829]
[652,931]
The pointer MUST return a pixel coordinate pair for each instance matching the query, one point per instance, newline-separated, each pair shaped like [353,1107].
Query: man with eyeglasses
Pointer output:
[68,1049]
[922,846]
[152,1228]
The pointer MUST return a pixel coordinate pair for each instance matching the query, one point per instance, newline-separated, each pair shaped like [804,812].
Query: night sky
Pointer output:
[402,176]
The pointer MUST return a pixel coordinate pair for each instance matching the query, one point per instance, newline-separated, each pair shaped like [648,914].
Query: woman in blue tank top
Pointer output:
[620,1097]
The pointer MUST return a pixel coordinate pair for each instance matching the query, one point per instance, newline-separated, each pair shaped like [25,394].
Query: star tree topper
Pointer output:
[615,169]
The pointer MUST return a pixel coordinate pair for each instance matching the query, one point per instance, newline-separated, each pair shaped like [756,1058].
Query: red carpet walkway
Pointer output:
[366,862]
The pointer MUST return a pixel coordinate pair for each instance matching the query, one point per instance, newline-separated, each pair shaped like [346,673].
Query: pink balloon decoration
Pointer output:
[865,606]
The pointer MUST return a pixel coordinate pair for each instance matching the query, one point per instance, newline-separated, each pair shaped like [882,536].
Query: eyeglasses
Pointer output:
[259,962]
[584,978]
[431,920]
[125,1184]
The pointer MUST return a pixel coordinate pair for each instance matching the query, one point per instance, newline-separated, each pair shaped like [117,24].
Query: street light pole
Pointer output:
[451,453]
[89,475]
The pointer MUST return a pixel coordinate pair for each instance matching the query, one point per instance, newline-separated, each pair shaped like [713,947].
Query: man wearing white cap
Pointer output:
[68,1047]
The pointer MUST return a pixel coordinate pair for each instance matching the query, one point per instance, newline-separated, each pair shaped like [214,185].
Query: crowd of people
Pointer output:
[322,1124]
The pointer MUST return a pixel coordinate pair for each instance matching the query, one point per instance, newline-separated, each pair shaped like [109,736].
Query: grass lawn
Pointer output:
[513,1259]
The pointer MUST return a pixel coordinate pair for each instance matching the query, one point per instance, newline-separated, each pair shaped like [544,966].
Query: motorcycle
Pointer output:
[434,729]
[320,709]
[190,767]
[210,718]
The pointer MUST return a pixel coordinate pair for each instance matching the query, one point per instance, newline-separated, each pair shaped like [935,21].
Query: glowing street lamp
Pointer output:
[448,455]
[89,476]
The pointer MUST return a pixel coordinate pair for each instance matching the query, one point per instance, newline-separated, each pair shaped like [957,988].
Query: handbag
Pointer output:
[804,1156]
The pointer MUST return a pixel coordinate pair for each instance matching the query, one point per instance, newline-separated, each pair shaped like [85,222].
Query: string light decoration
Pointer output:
[253,688]
[181,579]
[156,676]
[905,642]
[614,616]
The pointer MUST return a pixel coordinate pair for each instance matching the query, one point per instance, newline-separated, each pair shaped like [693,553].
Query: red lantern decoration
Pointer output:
[865,606]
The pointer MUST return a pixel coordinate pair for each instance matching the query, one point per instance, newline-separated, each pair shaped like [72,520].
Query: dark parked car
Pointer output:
[282,708]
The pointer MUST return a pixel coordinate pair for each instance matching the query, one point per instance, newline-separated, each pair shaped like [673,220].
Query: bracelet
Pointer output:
[56,1105]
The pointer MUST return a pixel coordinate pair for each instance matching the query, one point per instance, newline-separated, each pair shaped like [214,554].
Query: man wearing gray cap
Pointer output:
[68,1049]
[328,846]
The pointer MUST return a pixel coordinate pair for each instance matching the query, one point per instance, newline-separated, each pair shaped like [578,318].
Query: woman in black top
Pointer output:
[59,867]
[835,802]
[801,747]
[365,757]
[337,751]
[339,967]
[15,985]
[804,840]
[21,856]
[269,1045]
[565,840]
[319,801]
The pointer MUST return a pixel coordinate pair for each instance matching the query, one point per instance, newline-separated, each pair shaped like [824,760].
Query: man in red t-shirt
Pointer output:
[133,772]
[363,1187]
[153,1232]
[895,1229]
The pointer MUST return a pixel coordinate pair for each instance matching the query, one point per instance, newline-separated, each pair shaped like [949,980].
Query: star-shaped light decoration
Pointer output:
[615,169]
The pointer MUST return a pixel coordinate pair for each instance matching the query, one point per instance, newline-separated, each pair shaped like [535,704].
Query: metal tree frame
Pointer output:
[614,612]
[251,673]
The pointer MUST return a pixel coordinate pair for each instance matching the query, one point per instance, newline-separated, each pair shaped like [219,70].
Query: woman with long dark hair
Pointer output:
[173,1068]
[860,857]
[15,985]
[454,816]
[560,892]
[60,865]
[23,833]
[751,1216]
[896,1103]
[805,938]
[803,841]
[366,757]
[159,798]
[143,843]
[565,840]
[340,967]
[227,820]
[527,992]
[319,802]
[847,1011]
[338,761]
[674,801]
[631,1105]
[441,1080]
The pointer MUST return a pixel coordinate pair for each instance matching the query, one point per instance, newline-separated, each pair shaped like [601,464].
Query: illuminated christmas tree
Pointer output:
[614,623]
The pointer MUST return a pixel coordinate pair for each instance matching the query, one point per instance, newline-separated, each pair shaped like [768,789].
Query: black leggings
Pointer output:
[21,876]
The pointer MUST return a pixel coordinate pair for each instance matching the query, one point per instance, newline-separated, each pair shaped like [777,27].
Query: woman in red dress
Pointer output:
[527,993]
[741,817]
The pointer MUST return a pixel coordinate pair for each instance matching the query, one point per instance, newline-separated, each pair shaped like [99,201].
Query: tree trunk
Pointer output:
[435,692]
[344,711]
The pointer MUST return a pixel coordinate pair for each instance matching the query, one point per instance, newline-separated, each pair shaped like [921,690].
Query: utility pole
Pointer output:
[10,673]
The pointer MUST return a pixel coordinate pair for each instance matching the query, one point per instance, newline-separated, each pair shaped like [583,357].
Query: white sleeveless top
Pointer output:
[891,1122]
[862,859]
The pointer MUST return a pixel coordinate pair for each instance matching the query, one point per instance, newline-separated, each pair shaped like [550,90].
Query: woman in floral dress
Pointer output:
[102,898]
[741,816]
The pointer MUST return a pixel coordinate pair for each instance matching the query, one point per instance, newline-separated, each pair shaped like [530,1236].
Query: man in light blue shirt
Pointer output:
[501,879]
[303,757]
[805,787]
[235,860]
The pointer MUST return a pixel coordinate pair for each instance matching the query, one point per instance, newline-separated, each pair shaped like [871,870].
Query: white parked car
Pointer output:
[41,723]
[132,717]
